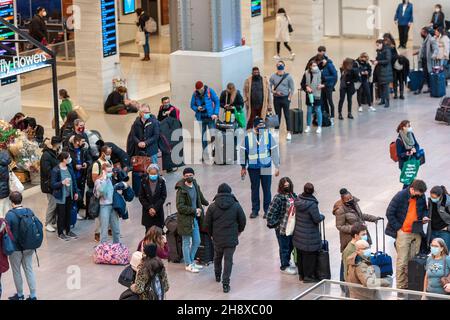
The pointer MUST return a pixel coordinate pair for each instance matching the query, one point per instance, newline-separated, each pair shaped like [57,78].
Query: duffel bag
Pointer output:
[112,254]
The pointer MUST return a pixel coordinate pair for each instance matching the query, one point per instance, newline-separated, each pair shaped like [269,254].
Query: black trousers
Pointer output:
[364,94]
[307,264]
[403,31]
[349,92]
[81,184]
[398,83]
[385,93]
[285,44]
[283,104]
[327,101]
[225,254]
[426,76]
[63,212]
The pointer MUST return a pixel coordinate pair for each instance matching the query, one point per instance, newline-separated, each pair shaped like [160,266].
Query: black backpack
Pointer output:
[31,233]
[89,181]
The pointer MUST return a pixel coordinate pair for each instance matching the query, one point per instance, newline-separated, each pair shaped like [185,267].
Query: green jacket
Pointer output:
[185,212]
[65,108]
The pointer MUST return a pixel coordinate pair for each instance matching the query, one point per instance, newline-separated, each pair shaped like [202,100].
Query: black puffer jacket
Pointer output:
[307,220]
[5,160]
[48,162]
[385,72]
[225,220]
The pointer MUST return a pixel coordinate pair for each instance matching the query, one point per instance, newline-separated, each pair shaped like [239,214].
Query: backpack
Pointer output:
[393,151]
[89,181]
[156,288]
[31,233]
[150,26]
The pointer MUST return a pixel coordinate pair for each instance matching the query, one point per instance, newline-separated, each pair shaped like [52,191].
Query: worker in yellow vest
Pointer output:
[258,152]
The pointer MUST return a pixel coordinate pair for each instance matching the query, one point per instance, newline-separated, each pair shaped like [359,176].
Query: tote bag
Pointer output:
[14,183]
[409,171]
[291,219]
[240,118]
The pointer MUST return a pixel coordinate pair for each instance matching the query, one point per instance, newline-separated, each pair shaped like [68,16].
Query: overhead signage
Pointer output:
[129,6]
[7,12]
[19,65]
[109,31]
[256,8]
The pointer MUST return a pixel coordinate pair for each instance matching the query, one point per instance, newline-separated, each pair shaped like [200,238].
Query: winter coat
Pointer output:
[385,73]
[363,67]
[248,96]
[48,161]
[401,151]
[438,20]
[56,182]
[209,101]
[140,132]
[346,217]
[398,208]
[5,161]
[114,99]
[186,213]
[85,157]
[38,28]
[173,113]
[307,219]
[143,281]
[4,264]
[432,51]
[350,77]
[167,127]
[407,18]
[153,201]
[329,73]
[225,220]
[444,47]
[282,28]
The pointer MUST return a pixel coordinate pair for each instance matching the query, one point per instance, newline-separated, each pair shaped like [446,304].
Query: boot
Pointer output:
[146,58]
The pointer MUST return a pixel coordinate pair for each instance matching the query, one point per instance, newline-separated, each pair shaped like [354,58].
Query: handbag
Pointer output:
[94,207]
[7,240]
[240,118]
[127,277]
[409,171]
[272,121]
[140,38]
[398,66]
[140,163]
[14,183]
[82,114]
[290,226]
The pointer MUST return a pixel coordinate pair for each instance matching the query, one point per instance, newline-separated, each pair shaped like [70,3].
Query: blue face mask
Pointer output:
[147,116]
[365,237]
[435,200]
[367,253]
[153,177]
[109,175]
[280,67]
[435,251]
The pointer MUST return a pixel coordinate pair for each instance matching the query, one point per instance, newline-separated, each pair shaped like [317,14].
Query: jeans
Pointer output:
[211,125]
[257,179]
[225,254]
[155,159]
[286,247]
[147,43]
[108,217]
[24,259]
[444,235]
[327,101]
[190,250]
[64,216]
[349,92]
[407,246]
[50,216]
[318,109]
[282,104]
[364,91]
[403,31]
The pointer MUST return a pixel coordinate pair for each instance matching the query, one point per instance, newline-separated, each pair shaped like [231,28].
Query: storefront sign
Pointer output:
[109,31]
[18,65]
[256,8]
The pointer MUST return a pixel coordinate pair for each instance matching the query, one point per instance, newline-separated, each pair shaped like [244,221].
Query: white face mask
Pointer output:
[44,14]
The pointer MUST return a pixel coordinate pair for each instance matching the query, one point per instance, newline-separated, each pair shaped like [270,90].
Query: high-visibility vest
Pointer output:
[259,151]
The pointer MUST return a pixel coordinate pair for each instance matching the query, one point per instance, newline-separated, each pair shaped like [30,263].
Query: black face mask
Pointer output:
[189,180]
[256,77]
[350,203]
[287,189]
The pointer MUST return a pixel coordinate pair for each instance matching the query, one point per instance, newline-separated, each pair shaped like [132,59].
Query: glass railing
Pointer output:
[336,290]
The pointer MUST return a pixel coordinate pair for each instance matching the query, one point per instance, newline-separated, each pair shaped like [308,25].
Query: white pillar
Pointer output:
[94,71]
[10,100]
[253,31]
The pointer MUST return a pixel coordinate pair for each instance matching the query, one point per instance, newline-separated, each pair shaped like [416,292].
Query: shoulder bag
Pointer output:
[14,183]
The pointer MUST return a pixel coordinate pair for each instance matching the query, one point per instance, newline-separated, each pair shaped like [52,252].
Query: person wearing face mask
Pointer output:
[190,202]
[437,268]
[152,198]
[404,18]
[48,161]
[348,213]
[428,52]
[361,271]
[282,32]
[167,110]
[312,85]
[277,217]
[406,209]
[440,214]
[79,127]
[385,74]
[257,97]
[444,46]
[358,232]
[118,157]
[365,92]
[438,18]
[104,191]
[231,99]
[38,26]
[65,191]
[116,103]
[258,151]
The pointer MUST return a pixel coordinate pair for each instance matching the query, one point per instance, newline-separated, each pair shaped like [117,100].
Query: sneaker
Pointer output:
[31,298]
[197,266]
[360,109]
[332,122]
[97,237]
[79,217]
[308,129]
[16,297]
[226,288]
[50,228]
[254,215]
[191,268]
[372,109]
[63,237]
[72,235]
[319,130]
[289,136]
[290,271]
[350,116]
[402,97]
[277,57]
[292,56]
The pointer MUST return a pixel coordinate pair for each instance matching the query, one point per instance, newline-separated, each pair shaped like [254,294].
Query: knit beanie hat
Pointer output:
[224,188]
[198,85]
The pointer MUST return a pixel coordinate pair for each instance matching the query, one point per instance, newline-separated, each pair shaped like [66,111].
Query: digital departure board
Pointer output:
[7,12]
[109,31]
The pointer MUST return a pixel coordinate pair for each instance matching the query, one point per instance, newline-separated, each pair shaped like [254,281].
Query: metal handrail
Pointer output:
[381,289]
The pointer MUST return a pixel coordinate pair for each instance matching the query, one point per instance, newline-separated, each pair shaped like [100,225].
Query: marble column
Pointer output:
[10,100]
[307,19]
[94,71]
[253,32]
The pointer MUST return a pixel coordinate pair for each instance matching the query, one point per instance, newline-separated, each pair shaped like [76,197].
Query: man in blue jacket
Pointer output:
[404,19]
[405,213]
[206,105]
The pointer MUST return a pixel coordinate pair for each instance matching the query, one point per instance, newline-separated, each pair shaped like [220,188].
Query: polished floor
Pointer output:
[353,154]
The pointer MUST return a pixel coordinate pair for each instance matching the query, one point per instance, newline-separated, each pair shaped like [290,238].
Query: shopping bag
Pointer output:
[291,219]
[82,114]
[272,121]
[14,183]
[409,171]
[240,118]
[140,38]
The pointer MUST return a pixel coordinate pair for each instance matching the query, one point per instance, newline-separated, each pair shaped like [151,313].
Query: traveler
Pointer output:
[349,76]
[118,156]
[277,218]
[428,52]
[258,152]
[225,221]
[79,127]
[307,239]
[364,93]
[151,279]
[282,32]
[68,126]
[438,267]
[4,264]
[33,131]
[38,27]
[21,258]
[231,99]
[440,214]
[385,74]
[141,23]
[406,213]
[154,235]
[66,105]
[312,85]
[5,161]
[190,202]
[404,19]
[348,213]
[104,191]
[361,271]
[49,160]
[401,72]
[257,97]
[444,45]
[65,191]
[438,18]
[116,103]
[330,77]
[282,86]
[406,143]
[152,197]
[168,110]
[206,106]
[358,232]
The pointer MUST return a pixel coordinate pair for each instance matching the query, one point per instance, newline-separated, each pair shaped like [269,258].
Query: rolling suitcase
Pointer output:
[296,117]
[323,259]
[174,240]
[438,86]
[415,78]
[225,152]
[205,253]
[416,272]
[381,258]
[443,112]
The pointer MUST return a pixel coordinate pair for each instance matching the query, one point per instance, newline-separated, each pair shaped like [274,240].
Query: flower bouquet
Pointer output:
[7,134]
[27,154]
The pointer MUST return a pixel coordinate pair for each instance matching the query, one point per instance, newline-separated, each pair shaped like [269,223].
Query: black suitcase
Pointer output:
[443,115]
[326,121]
[225,151]
[205,253]
[296,117]
[174,240]
[416,272]
[323,259]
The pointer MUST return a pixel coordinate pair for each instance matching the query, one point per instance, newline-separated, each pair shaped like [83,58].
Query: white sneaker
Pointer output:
[289,136]
[50,228]
[292,56]
[197,266]
[372,109]
[277,57]
[308,129]
[290,271]
[79,217]
[191,268]
[319,130]
[360,109]
[332,122]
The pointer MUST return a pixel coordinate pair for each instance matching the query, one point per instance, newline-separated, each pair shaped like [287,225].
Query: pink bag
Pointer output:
[113,254]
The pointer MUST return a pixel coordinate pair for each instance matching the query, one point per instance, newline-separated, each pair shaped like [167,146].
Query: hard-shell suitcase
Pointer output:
[225,151]
[296,117]
[415,78]
[438,86]
[323,258]
[174,240]
[416,272]
[381,258]
[205,253]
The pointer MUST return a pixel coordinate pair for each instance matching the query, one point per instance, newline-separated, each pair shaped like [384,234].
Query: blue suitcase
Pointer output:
[415,80]
[438,88]
[381,258]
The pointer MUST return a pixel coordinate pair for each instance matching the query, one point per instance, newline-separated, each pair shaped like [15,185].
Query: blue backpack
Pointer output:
[30,235]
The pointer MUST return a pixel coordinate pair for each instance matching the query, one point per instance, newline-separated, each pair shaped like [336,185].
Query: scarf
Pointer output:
[408,140]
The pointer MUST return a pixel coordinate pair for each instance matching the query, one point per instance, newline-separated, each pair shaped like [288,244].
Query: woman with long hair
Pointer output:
[385,74]
[231,99]
[349,76]
[312,85]
[155,235]
[282,33]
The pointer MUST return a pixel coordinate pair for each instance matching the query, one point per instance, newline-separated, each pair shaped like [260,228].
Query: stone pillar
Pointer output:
[307,19]
[94,71]
[10,100]
[253,31]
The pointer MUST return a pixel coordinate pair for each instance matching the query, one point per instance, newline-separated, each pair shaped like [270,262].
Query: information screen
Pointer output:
[109,31]
[256,8]
[129,6]
[7,12]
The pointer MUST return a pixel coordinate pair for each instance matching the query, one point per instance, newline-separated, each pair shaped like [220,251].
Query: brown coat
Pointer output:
[248,94]
[346,217]
[363,273]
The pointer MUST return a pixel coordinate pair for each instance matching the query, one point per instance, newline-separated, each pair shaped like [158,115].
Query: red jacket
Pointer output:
[4,265]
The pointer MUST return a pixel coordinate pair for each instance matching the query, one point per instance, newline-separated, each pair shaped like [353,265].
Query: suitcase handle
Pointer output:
[376,236]
[322,226]
[300,106]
